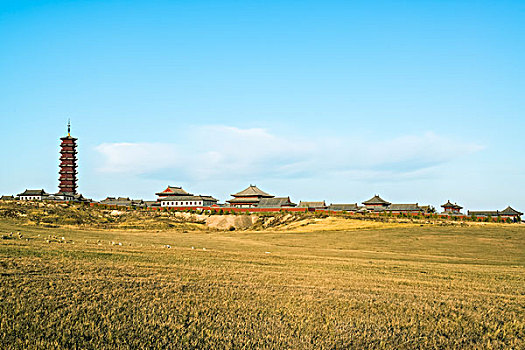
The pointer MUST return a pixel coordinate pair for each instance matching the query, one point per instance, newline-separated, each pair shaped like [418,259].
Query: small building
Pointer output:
[276,202]
[449,208]
[376,203]
[33,195]
[7,198]
[248,198]
[404,209]
[123,202]
[188,201]
[173,197]
[344,207]
[428,209]
[508,212]
[152,204]
[321,205]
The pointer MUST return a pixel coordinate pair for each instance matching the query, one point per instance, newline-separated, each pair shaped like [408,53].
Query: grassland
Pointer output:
[379,286]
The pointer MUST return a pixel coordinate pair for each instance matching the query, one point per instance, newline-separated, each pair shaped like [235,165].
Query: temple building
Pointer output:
[68,167]
[411,208]
[353,207]
[173,197]
[319,205]
[505,213]
[276,202]
[449,208]
[376,203]
[249,197]
[123,202]
[33,195]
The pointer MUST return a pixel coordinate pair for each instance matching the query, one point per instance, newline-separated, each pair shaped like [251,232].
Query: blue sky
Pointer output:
[418,101]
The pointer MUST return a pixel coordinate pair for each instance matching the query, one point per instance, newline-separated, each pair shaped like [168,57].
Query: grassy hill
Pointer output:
[361,285]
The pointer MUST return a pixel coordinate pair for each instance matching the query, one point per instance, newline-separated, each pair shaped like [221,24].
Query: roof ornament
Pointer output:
[68,127]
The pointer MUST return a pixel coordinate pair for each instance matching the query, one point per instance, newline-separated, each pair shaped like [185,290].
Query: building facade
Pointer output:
[177,197]
[33,195]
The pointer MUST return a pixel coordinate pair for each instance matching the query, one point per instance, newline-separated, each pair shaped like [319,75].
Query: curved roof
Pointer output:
[449,204]
[252,190]
[33,193]
[345,207]
[404,207]
[275,202]
[318,204]
[188,198]
[376,200]
[510,211]
[173,191]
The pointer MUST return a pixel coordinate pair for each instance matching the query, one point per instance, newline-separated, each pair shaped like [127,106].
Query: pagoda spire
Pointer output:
[68,127]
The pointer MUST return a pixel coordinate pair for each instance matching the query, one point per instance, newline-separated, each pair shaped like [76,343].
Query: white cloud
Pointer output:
[215,152]
[136,158]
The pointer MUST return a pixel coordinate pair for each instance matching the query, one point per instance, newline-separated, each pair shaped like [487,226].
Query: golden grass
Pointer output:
[355,286]
[331,223]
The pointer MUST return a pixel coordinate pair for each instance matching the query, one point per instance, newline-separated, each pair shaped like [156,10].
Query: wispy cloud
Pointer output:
[225,152]
[137,158]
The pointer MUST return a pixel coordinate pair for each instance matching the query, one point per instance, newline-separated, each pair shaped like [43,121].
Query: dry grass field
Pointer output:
[364,286]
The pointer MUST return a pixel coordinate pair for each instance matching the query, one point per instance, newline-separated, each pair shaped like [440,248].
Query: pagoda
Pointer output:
[450,208]
[68,165]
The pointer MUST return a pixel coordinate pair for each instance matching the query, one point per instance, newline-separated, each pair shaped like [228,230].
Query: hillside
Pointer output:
[81,216]
[389,286]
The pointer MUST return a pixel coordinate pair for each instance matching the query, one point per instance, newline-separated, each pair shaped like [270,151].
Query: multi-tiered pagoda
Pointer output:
[68,166]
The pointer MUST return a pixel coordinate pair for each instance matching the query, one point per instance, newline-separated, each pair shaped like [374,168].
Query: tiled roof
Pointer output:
[173,191]
[345,207]
[277,202]
[506,211]
[303,204]
[33,193]
[7,198]
[376,200]
[510,211]
[252,190]
[122,201]
[448,204]
[484,212]
[188,198]
[244,200]
[403,207]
